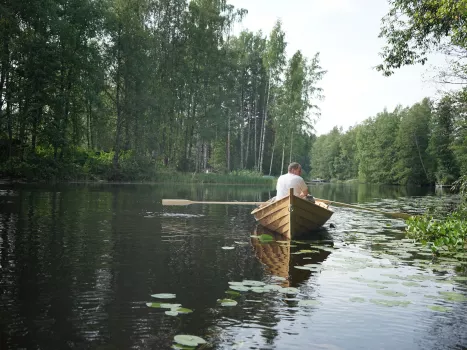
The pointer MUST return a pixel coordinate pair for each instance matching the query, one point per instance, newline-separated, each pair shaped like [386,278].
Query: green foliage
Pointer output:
[449,233]
[443,163]
[411,144]
[77,164]
[443,232]
[391,148]
[412,28]
[144,81]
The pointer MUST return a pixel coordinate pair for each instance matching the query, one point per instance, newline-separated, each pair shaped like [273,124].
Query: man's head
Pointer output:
[295,168]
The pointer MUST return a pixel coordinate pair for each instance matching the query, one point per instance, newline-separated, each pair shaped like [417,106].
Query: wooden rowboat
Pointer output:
[292,216]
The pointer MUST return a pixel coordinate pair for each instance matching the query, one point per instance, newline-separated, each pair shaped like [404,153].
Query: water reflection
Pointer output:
[78,264]
[281,256]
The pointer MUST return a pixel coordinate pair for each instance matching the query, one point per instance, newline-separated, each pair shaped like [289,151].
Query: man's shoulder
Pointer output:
[297,178]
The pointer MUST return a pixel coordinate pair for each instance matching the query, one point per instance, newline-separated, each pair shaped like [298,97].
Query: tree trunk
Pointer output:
[22,124]
[66,112]
[9,119]
[263,132]
[88,125]
[247,151]
[115,161]
[420,155]
[291,144]
[242,146]
[35,123]
[283,154]
[272,155]
[256,133]
[5,62]
[228,143]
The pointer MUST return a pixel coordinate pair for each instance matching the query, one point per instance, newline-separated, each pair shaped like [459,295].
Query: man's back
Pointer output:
[287,181]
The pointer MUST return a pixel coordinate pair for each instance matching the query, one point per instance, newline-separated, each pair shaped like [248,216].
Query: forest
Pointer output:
[424,144]
[132,89]
[126,89]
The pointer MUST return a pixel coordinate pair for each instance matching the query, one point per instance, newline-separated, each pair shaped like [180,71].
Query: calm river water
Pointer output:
[79,263]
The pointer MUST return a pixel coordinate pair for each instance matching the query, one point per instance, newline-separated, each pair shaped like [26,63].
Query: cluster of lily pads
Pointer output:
[403,252]
[237,287]
[172,308]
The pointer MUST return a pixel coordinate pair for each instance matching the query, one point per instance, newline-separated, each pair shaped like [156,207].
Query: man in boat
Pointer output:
[293,180]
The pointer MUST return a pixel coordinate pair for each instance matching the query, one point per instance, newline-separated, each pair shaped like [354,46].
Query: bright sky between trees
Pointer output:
[345,32]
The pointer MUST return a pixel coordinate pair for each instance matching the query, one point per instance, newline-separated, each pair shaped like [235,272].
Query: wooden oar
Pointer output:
[182,202]
[188,202]
[404,216]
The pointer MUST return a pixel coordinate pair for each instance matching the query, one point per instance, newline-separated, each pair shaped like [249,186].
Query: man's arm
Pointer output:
[304,189]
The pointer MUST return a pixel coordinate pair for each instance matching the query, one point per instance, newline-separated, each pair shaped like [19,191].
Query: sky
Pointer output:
[345,33]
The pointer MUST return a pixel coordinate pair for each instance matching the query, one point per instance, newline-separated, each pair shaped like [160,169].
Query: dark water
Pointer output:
[78,265]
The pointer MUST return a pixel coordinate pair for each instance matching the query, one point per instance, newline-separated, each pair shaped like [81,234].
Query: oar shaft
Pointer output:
[239,203]
[188,202]
[397,215]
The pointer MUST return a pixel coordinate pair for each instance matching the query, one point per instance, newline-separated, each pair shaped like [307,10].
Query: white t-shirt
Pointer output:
[287,181]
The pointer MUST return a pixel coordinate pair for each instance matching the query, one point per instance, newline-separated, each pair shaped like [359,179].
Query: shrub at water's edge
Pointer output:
[80,165]
[443,233]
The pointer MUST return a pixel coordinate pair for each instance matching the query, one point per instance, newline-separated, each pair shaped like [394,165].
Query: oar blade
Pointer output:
[176,202]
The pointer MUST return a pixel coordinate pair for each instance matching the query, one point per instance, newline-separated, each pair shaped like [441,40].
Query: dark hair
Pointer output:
[294,166]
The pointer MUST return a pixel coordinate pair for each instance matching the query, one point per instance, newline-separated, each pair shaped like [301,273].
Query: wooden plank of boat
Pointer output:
[292,216]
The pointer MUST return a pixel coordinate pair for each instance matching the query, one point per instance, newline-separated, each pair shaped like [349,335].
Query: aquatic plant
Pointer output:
[448,233]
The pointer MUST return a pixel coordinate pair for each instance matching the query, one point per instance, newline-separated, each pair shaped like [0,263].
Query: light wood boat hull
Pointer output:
[292,216]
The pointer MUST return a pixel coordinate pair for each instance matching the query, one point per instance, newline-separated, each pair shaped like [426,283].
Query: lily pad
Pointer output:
[228,248]
[240,288]
[439,308]
[184,310]
[189,340]
[155,305]
[182,347]
[431,296]
[376,286]
[279,278]
[411,284]
[308,303]
[265,237]
[236,283]
[231,292]
[227,302]
[253,283]
[315,266]
[388,282]
[272,287]
[460,278]
[453,296]
[171,313]
[357,300]
[390,303]
[306,251]
[169,305]
[391,293]
[258,290]
[289,290]
[164,296]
